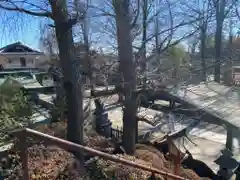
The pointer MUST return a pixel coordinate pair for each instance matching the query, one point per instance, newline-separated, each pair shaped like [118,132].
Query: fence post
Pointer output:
[24,154]
[117,133]
[111,134]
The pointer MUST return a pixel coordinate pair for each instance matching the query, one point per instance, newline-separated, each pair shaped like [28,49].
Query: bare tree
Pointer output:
[193,44]
[72,79]
[48,40]
[222,9]
[83,22]
[123,23]
[166,21]
[143,49]
[204,11]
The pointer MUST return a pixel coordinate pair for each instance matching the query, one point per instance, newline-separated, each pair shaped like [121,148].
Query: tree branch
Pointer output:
[137,15]
[19,9]
[174,43]
[230,8]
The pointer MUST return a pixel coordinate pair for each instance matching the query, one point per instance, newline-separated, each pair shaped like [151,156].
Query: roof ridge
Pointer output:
[18,43]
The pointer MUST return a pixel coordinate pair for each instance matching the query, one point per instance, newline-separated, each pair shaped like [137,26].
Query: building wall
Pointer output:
[3,61]
[13,60]
[42,62]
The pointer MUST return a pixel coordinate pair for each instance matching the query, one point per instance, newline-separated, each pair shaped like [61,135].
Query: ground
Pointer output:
[53,163]
[210,138]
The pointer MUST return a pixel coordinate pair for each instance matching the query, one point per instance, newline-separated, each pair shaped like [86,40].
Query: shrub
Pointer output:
[15,110]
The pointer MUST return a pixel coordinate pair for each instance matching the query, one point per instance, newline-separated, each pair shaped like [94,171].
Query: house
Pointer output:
[20,56]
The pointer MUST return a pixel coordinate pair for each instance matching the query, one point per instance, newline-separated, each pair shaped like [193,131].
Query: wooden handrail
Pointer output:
[67,145]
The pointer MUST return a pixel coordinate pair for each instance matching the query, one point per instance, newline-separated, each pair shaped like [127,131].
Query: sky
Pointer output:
[25,29]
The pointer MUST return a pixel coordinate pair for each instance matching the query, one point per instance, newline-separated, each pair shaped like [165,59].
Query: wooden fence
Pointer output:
[24,133]
[116,133]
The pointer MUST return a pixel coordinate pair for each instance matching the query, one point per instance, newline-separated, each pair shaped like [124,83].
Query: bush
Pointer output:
[15,110]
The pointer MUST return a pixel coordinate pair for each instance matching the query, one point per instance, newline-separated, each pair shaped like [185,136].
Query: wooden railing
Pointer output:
[24,133]
[116,133]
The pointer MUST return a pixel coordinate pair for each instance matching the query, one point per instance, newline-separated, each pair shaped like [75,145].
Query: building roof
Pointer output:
[216,99]
[18,47]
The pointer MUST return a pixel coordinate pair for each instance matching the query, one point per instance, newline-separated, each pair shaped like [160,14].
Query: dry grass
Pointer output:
[53,163]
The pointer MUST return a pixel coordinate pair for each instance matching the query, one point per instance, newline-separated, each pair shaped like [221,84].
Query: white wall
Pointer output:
[32,61]
[14,62]
[3,61]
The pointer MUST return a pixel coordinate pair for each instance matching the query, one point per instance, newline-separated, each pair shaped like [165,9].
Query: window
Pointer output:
[237,70]
[23,62]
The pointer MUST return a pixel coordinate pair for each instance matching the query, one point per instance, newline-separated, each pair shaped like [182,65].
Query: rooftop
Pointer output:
[18,47]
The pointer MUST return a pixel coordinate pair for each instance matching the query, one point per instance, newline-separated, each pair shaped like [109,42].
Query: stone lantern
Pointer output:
[103,124]
[227,164]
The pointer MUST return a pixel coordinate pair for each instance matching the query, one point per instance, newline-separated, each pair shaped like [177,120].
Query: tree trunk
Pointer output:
[87,64]
[231,42]
[143,51]
[218,47]
[72,83]
[220,13]
[203,49]
[144,38]
[127,68]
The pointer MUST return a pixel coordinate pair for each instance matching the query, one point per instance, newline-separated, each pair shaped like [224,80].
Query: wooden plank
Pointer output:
[144,127]
[153,130]
[101,91]
[116,115]
[47,100]
[149,115]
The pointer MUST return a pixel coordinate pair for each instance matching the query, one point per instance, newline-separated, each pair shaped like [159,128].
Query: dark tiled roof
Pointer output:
[13,48]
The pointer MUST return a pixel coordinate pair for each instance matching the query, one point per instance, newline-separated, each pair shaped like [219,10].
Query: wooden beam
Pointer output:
[24,155]
[229,141]
[109,92]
